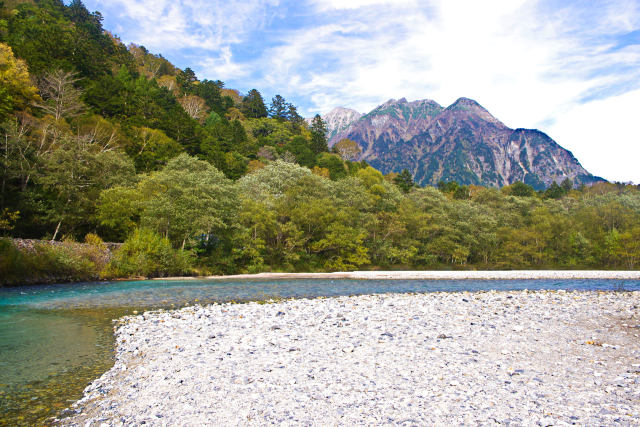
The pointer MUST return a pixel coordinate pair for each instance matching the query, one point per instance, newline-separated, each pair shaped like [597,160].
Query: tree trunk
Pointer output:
[56,232]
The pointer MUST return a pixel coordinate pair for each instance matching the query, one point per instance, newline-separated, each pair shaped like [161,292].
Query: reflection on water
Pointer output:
[55,339]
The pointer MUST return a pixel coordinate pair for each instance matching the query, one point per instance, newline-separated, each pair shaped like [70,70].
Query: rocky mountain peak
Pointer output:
[465,103]
[470,108]
[462,142]
[338,120]
[393,101]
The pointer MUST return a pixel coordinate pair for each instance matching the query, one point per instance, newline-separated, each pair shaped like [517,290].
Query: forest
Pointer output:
[106,142]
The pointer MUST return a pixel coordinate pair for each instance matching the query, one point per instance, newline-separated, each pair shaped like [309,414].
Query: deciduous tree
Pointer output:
[347,149]
[61,99]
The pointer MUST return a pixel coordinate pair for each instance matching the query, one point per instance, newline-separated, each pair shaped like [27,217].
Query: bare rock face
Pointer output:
[462,142]
[338,120]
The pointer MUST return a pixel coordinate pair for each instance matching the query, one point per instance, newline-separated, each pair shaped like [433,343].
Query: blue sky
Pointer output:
[569,68]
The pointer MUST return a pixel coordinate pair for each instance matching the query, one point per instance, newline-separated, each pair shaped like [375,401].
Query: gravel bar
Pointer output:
[516,358]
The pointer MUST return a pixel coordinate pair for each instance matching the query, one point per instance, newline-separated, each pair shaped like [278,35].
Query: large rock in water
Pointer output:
[462,142]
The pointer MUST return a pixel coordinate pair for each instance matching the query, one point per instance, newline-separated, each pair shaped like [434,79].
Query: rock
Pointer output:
[546,422]
[309,370]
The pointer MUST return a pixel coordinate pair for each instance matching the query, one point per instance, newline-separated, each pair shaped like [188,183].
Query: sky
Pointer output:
[569,68]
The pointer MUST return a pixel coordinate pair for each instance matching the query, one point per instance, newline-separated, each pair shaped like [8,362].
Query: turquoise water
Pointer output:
[55,339]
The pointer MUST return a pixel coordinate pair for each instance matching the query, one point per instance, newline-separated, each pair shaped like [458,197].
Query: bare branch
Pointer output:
[61,98]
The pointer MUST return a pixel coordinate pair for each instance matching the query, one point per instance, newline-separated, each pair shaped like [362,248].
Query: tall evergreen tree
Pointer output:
[186,80]
[253,105]
[404,180]
[319,135]
[279,108]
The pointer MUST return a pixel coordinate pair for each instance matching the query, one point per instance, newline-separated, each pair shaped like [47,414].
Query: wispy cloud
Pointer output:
[543,63]
[168,25]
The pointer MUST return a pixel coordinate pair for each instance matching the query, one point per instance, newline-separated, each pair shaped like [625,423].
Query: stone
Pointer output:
[380,367]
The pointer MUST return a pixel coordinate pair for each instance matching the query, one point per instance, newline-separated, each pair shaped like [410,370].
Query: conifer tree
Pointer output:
[404,180]
[318,135]
[253,105]
[279,108]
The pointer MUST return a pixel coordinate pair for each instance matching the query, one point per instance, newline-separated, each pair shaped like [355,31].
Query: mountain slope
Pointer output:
[462,142]
[338,120]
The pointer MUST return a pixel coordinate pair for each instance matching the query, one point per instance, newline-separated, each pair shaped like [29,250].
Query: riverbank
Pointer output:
[434,275]
[36,262]
[457,358]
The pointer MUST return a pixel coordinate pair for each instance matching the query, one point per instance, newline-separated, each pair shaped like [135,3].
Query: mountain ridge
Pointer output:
[462,142]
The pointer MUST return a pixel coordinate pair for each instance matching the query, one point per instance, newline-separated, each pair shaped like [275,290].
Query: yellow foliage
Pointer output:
[391,176]
[254,165]
[370,176]
[234,114]
[8,219]
[94,240]
[233,94]
[323,172]
[14,79]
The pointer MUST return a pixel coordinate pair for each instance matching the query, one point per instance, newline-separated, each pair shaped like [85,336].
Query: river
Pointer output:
[55,339]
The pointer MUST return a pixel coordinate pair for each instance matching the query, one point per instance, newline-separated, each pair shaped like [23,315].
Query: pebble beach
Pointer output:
[483,358]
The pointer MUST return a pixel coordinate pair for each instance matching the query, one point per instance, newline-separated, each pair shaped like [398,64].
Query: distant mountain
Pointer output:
[462,142]
[338,120]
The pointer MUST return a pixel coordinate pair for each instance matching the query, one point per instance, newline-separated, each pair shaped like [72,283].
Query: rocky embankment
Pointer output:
[32,262]
[521,358]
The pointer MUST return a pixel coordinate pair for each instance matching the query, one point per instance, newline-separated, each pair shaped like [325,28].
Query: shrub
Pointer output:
[44,262]
[146,253]
[13,264]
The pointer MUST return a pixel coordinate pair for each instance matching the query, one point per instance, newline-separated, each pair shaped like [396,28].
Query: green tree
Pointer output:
[404,180]
[148,254]
[567,185]
[296,121]
[520,189]
[75,173]
[118,211]
[270,183]
[342,247]
[318,135]
[448,187]
[151,149]
[279,108]
[187,198]
[334,163]
[299,147]
[554,191]
[462,193]
[186,80]
[253,105]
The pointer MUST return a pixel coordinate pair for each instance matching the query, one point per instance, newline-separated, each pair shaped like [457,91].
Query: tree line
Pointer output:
[98,138]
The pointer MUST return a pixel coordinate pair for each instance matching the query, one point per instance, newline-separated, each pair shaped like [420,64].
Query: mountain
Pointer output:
[462,142]
[338,120]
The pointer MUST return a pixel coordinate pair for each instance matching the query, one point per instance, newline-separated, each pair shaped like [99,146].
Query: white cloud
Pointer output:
[162,25]
[326,5]
[606,134]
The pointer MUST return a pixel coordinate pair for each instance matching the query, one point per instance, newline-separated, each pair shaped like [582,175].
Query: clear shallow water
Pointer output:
[55,339]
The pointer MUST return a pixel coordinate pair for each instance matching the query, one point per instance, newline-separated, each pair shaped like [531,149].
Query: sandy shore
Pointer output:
[433,275]
[519,358]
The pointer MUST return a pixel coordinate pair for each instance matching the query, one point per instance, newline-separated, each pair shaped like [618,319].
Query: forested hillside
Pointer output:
[105,139]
